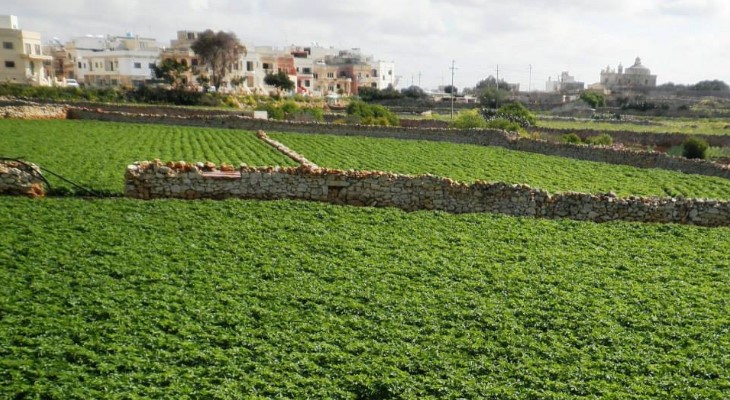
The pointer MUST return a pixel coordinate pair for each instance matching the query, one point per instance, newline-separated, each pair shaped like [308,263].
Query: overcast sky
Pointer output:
[681,41]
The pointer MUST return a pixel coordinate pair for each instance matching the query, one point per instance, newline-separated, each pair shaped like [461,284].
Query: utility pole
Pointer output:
[529,85]
[496,100]
[419,78]
[453,68]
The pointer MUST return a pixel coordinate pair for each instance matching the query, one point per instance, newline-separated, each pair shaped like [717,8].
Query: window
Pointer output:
[267,66]
[151,65]
[38,49]
[374,85]
[249,65]
[375,73]
[316,76]
[27,48]
[331,88]
[79,64]
[8,45]
[330,74]
[137,65]
[191,35]
[9,64]
[307,70]
[307,83]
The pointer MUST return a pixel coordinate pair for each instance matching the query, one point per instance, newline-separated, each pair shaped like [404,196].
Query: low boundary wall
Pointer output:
[20,178]
[154,180]
[664,139]
[482,137]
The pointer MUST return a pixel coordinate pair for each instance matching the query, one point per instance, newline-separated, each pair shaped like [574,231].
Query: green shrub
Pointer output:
[505,124]
[519,112]
[571,138]
[603,139]
[372,114]
[695,148]
[468,119]
[593,99]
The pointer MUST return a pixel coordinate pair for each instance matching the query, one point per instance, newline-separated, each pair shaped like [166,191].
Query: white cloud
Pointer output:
[681,40]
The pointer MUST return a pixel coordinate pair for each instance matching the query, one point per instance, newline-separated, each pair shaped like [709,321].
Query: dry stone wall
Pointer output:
[154,180]
[15,108]
[485,137]
[19,178]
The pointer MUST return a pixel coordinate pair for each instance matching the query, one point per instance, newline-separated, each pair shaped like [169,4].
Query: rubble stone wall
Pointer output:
[21,179]
[153,180]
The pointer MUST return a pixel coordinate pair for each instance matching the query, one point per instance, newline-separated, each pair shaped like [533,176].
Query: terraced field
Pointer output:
[469,163]
[95,154]
[656,125]
[241,299]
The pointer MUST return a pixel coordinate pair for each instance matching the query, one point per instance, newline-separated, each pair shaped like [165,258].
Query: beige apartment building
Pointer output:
[21,55]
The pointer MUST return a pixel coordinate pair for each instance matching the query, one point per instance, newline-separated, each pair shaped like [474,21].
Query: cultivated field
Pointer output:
[468,163]
[119,298]
[95,154]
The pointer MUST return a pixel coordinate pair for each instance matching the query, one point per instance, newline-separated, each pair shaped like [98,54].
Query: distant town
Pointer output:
[106,61]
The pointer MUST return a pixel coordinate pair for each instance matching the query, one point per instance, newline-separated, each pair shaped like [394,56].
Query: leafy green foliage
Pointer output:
[291,110]
[173,299]
[279,80]
[372,114]
[603,139]
[95,154]
[492,97]
[513,112]
[594,99]
[468,163]
[505,124]
[571,138]
[172,71]
[468,119]
[695,148]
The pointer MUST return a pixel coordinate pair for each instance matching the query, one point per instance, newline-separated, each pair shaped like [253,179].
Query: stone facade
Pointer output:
[19,178]
[154,180]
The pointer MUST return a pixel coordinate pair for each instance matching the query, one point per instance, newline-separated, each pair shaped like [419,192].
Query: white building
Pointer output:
[21,55]
[105,61]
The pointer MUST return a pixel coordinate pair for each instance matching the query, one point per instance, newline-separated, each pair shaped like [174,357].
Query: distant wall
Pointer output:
[18,178]
[485,137]
[642,138]
[146,180]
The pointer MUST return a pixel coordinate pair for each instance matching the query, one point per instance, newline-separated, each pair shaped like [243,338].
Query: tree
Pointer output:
[451,90]
[491,82]
[218,51]
[707,86]
[492,97]
[593,99]
[280,80]
[172,71]
[414,92]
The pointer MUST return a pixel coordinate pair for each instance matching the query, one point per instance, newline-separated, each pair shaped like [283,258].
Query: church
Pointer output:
[634,77]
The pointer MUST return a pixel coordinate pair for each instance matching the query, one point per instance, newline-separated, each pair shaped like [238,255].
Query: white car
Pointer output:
[72,83]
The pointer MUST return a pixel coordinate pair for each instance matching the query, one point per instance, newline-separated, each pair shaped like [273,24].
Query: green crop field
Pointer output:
[468,163]
[654,125]
[242,299]
[95,154]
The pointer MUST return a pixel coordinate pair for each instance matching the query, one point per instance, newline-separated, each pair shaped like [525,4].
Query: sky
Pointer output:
[681,41]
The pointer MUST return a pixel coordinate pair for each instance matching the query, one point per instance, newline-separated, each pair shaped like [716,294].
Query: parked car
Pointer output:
[72,83]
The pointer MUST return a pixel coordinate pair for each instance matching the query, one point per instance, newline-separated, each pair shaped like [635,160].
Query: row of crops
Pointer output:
[242,299]
[118,298]
[95,155]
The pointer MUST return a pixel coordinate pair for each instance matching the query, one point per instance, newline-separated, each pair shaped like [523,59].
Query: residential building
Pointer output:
[21,55]
[565,83]
[105,61]
[635,77]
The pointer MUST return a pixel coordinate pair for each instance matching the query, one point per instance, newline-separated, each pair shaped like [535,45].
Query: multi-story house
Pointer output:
[104,61]
[21,55]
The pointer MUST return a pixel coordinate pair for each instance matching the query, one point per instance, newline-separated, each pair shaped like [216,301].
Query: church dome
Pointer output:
[637,68]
